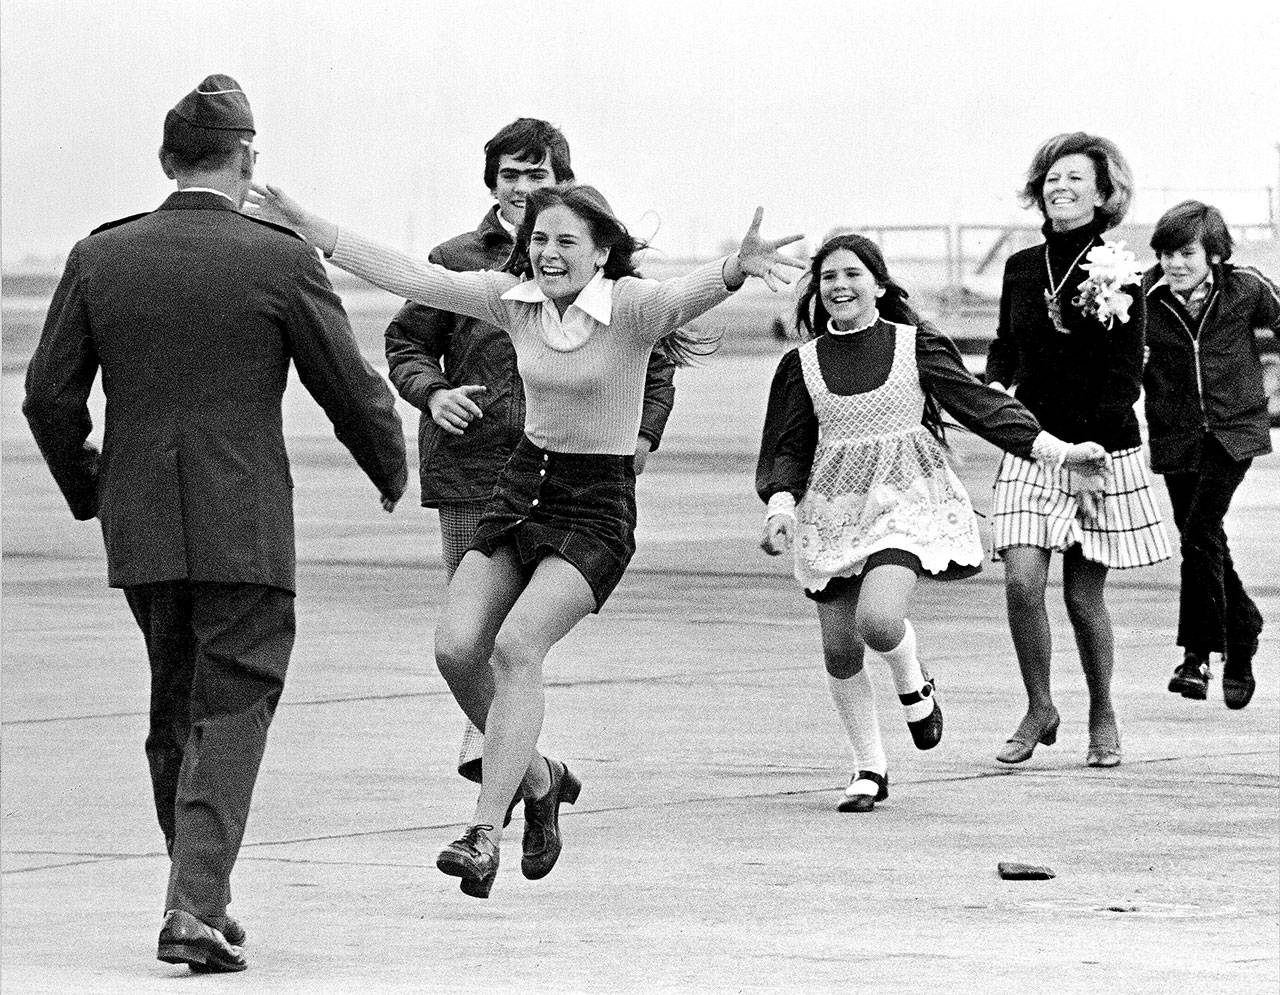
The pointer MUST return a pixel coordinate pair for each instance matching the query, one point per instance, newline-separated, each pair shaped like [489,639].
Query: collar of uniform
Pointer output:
[203,198]
[594,300]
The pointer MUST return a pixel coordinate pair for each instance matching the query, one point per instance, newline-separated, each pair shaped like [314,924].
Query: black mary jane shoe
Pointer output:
[861,802]
[926,733]
[474,858]
[541,844]
[1191,677]
[184,939]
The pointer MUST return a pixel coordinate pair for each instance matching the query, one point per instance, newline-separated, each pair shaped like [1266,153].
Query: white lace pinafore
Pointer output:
[879,479]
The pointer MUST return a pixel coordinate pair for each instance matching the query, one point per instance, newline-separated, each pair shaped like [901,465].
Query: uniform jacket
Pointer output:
[429,349]
[1205,376]
[1080,384]
[193,313]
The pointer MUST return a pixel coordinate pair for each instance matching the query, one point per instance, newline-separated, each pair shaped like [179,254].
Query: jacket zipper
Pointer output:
[1195,350]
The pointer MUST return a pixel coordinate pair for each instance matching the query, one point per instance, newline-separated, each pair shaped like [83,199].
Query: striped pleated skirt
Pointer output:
[1036,506]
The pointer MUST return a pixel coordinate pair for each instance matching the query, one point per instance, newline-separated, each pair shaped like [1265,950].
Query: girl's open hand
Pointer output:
[758,256]
[270,203]
[778,530]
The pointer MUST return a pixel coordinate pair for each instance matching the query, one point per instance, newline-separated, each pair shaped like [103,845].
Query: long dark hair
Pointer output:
[811,314]
[812,318]
[607,232]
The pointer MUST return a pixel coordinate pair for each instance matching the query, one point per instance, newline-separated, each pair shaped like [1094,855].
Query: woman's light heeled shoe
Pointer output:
[1103,752]
[1023,742]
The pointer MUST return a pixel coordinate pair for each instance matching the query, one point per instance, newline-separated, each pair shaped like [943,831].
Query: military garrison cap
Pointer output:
[217,104]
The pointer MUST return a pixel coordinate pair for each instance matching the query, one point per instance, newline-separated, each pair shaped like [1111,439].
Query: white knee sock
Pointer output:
[907,675]
[855,702]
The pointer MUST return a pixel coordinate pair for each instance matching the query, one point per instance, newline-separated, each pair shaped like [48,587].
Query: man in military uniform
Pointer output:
[193,313]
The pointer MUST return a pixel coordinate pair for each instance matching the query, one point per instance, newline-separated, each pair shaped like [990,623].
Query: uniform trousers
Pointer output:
[218,655]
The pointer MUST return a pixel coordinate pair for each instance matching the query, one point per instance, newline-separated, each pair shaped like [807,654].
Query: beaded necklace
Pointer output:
[1051,302]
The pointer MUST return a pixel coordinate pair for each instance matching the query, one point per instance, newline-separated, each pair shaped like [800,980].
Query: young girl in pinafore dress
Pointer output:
[857,481]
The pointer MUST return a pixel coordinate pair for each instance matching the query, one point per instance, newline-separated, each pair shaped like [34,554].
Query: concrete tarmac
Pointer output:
[705,853]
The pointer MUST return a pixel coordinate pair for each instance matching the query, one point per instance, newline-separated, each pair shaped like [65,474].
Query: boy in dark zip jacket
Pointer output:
[1207,415]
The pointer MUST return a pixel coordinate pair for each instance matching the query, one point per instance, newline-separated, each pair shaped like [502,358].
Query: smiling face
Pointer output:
[1186,268]
[848,289]
[1071,194]
[562,253]
[516,179]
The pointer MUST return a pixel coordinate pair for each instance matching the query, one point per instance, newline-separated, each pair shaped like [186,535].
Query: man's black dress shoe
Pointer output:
[541,843]
[184,939]
[1191,677]
[864,802]
[234,932]
[474,858]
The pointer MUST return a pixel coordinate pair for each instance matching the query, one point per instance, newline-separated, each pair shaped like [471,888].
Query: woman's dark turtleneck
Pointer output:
[1064,246]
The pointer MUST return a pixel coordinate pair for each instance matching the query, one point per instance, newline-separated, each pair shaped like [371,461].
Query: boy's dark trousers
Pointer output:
[1215,614]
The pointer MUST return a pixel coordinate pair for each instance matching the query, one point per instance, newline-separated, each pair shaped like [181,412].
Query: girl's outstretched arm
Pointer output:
[476,294]
[989,412]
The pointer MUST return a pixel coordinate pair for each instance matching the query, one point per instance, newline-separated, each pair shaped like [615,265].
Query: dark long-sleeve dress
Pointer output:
[1081,381]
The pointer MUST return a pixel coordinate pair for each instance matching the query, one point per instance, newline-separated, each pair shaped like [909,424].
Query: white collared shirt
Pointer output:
[591,309]
[208,190]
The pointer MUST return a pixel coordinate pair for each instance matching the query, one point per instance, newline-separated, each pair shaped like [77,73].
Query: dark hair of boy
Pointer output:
[1189,222]
[528,139]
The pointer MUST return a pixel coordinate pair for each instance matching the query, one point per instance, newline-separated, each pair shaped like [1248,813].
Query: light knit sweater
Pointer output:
[586,399]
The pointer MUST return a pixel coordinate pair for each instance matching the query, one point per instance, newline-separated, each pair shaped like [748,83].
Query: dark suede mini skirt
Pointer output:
[578,506]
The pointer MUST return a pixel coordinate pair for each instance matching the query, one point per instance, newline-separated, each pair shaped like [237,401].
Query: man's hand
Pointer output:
[452,408]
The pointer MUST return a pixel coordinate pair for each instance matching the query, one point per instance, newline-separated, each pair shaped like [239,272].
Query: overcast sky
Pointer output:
[686,113]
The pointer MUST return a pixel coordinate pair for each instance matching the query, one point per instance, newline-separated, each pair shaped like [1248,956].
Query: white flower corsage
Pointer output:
[1110,266]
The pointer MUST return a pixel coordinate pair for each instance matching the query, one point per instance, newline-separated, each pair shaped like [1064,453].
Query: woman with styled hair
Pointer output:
[558,532]
[1077,365]
[853,471]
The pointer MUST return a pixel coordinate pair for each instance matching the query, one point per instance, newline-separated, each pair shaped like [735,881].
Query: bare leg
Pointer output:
[842,647]
[478,600]
[882,605]
[852,692]
[1083,590]
[556,598]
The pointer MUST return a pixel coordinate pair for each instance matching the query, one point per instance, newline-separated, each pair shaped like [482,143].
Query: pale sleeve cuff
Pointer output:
[1050,450]
[782,503]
